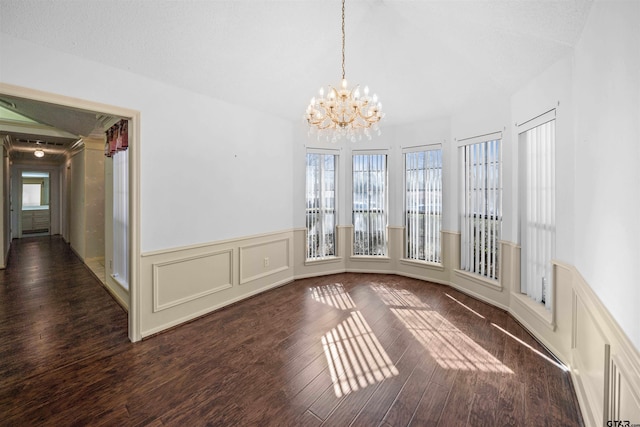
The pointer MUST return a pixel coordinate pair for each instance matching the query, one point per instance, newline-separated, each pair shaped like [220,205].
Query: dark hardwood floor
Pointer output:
[347,349]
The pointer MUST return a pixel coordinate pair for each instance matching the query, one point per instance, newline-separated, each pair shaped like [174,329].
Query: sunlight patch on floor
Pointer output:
[355,356]
[333,295]
[448,345]
[539,353]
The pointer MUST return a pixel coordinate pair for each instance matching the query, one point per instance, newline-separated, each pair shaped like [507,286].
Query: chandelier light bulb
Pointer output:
[38,153]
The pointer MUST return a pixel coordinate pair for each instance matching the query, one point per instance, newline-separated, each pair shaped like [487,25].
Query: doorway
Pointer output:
[35,215]
[97,110]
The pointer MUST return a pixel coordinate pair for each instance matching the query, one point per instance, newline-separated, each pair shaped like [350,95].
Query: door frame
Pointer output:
[134,183]
[17,172]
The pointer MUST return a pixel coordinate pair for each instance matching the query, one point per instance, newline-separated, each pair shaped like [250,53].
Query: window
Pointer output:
[481,207]
[370,204]
[321,205]
[121,217]
[35,189]
[31,194]
[423,204]
[537,206]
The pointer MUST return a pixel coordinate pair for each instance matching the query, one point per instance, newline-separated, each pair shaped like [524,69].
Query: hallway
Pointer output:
[364,348]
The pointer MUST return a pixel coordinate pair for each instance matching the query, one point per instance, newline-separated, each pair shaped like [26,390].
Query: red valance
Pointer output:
[117,138]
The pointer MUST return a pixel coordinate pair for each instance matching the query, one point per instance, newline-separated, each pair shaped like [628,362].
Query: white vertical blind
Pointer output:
[423,204]
[321,205]
[369,204]
[481,207]
[121,217]
[537,187]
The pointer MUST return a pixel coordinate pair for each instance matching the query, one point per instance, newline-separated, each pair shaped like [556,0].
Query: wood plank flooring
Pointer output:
[346,349]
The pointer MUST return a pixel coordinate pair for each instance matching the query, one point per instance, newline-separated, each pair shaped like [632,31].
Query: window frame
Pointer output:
[483,264]
[543,295]
[384,210]
[435,237]
[336,159]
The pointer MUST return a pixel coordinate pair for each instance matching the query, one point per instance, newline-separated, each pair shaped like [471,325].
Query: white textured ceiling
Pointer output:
[424,58]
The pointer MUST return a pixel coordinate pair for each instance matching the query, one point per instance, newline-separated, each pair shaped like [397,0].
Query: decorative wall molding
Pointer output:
[173,278]
[181,284]
[263,259]
[605,365]
[233,242]
[211,308]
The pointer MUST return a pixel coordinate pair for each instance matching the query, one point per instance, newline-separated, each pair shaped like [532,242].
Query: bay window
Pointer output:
[321,205]
[423,203]
[370,204]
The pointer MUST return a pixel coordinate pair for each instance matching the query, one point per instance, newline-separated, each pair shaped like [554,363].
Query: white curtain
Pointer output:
[423,203]
[481,213]
[121,217]
[537,204]
[321,205]
[370,204]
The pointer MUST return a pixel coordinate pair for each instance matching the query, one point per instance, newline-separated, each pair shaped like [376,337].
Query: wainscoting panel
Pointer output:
[310,268]
[263,259]
[623,400]
[589,356]
[437,273]
[180,284]
[605,365]
[372,264]
[198,276]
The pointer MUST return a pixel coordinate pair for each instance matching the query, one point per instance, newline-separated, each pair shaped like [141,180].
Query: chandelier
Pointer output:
[344,112]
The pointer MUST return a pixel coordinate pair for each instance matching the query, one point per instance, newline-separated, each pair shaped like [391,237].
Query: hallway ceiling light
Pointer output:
[344,112]
[38,153]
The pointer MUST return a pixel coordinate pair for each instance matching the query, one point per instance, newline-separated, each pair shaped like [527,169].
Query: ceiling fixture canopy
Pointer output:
[344,112]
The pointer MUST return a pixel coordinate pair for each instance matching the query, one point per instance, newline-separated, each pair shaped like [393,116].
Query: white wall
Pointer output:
[94,203]
[606,88]
[77,213]
[209,170]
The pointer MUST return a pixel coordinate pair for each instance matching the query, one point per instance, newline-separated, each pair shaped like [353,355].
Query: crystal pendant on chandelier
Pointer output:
[344,113]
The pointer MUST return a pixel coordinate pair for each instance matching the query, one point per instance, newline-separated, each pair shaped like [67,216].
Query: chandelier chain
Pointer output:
[344,112]
[343,39]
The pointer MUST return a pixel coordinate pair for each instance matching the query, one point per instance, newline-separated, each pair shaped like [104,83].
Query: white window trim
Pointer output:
[523,128]
[464,143]
[479,138]
[417,149]
[336,256]
[536,121]
[376,152]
